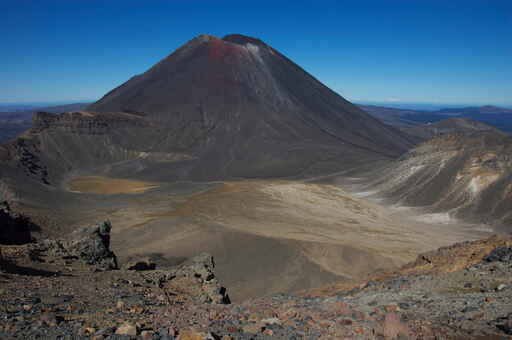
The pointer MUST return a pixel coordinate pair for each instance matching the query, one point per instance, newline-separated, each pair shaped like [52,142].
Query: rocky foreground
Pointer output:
[74,288]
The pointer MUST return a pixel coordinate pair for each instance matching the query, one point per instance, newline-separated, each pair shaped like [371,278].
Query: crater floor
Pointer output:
[107,185]
[267,236]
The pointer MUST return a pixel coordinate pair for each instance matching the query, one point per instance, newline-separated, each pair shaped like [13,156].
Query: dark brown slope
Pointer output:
[468,175]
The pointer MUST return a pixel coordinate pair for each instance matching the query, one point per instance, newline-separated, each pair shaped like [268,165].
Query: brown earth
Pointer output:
[270,236]
[105,185]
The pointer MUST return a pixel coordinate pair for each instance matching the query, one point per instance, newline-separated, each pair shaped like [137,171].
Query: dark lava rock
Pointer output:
[501,254]
[397,284]
[196,279]
[200,266]
[143,264]
[55,248]
[92,245]
[470,309]
[14,228]
[505,324]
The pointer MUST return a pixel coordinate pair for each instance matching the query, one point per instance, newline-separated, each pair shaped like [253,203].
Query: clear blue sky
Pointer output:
[397,51]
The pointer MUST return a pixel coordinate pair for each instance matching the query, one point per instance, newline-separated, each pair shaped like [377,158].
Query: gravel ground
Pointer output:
[51,297]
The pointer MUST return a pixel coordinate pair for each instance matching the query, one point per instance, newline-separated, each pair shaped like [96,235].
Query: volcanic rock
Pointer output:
[440,307]
[14,228]
[195,280]
[192,334]
[502,254]
[92,245]
[142,264]
[506,324]
[127,329]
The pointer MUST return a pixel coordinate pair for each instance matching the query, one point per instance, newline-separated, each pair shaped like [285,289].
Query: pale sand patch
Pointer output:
[444,218]
[106,185]
[362,194]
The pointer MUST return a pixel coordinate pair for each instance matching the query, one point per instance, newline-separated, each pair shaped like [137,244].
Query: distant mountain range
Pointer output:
[28,106]
[487,109]
[449,126]
[19,118]
[498,117]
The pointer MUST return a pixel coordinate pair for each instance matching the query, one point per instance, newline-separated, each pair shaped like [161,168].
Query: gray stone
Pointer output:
[199,277]
[92,245]
[14,228]
[501,254]
[139,265]
[501,287]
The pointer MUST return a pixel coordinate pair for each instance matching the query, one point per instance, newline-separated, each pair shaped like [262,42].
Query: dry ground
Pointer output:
[106,185]
[273,236]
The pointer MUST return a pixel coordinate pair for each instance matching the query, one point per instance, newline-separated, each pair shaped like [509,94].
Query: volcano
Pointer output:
[241,109]
[214,109]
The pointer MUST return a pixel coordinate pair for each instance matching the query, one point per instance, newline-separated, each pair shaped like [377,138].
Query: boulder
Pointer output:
[505,324]
[140,264]
[127,328]
[195,280]
[193,334]
[501,254]
[53,247]
[201,267]
[14,228]
[92,245]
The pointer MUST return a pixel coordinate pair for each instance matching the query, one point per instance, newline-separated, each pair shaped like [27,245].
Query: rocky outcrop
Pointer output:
[194,281]
[15,123]
[452,293]
[501,254]
[14,228]
[140,264]
[462,255]
[87,123]
[90,245]
[22,156]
